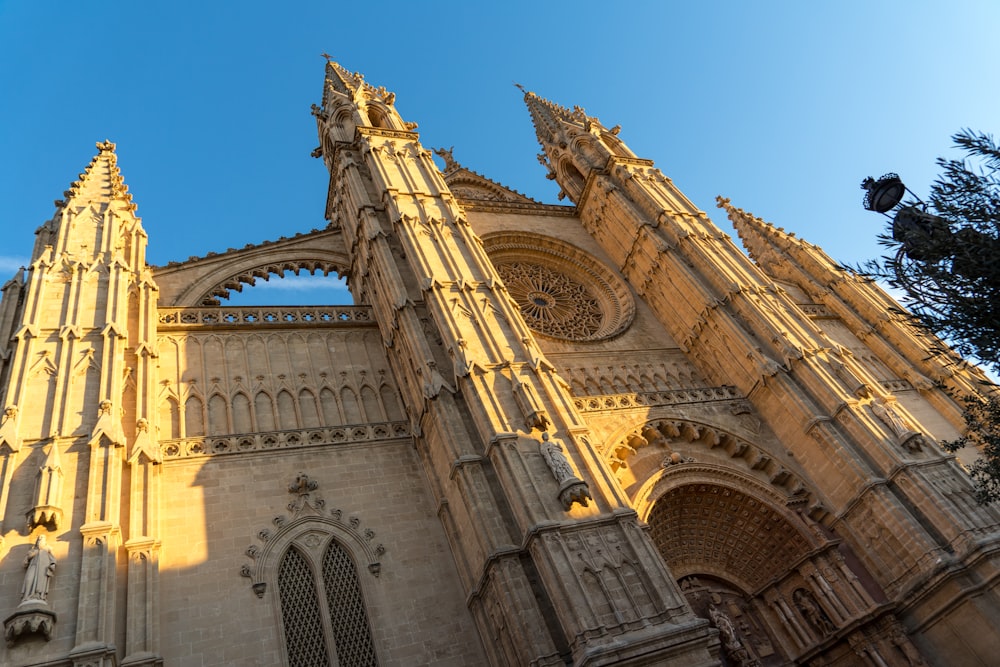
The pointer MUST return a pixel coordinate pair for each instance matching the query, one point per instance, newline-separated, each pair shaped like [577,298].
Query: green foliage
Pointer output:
[953,285]
[950,272]
[982,421]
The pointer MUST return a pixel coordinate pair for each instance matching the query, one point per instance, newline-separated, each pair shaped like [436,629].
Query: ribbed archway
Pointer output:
[720,531]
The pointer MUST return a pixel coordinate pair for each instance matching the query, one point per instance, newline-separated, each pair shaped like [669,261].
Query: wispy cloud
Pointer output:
[293,290]
[306,283]
[10,264]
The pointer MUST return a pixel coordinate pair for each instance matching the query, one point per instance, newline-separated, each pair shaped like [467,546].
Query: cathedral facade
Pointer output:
[587,434]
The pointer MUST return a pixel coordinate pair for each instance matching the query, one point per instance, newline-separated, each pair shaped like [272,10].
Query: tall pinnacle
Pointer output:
[764,242]
[101,183]
[339,80]
[99,194]
[549,118]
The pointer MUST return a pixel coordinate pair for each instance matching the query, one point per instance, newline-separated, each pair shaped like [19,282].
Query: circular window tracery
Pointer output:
[551,302]
[562,292]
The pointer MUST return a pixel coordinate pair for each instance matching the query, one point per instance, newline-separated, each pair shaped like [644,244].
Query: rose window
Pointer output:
[562,291]
[552,303]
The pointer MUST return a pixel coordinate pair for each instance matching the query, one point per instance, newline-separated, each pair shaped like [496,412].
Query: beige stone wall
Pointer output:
[215,506]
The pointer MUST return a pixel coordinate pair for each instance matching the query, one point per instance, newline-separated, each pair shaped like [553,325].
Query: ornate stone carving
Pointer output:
[734,648]
[812,612]
[905,436]
[8,429]
[551,302]
[263,441]
[25,622]
[561,291]
[176,318]
[47,510]
[33,615]
[572,489]
[308,510]
[39,567]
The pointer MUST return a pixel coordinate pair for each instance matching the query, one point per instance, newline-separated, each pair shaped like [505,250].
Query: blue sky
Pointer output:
[782,106]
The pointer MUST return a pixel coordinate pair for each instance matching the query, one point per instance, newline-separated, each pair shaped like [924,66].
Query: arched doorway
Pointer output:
[725,545]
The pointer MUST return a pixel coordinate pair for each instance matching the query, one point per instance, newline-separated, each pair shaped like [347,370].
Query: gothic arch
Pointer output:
[225,274]
[310,533]
[708,522]
[641,456]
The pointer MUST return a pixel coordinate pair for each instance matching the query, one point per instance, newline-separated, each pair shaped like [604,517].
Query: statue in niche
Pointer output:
[735,650]
[888,416]
[572,489]
[556,460]
[39,566]
[812,612]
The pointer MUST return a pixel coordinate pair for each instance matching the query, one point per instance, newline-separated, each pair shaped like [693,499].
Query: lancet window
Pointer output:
[322,607]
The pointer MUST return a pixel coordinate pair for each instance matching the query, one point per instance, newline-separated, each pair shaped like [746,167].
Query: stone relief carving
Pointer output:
[734,648]
[572,489]
[39,567]
[886,413]
[8,429]
[812,612]
[307,505]
[47,510]
[33,615]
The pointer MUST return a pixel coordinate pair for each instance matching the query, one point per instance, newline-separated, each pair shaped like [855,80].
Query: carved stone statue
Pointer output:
[39,566]
[812,612]
[572,489]
[724,625]
[735,650]
[556,460]
[888,416]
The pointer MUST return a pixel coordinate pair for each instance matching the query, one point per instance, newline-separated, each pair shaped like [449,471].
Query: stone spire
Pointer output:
[550,119]
[573,143]
[100,183]
[340,83]
[769,246]
[861,304]
[99,194]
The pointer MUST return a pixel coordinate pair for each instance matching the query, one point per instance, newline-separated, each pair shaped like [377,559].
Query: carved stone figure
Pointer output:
[888,416]
[572,489]
[556,460]
[39,565]
[812,612]
[735,650]
[724,625]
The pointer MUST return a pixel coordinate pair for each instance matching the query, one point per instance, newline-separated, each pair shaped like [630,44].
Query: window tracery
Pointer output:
[562,292]
[300,615]
[551,302]
[311,556]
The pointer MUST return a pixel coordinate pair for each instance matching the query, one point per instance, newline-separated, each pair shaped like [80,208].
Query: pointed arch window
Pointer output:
[323,611]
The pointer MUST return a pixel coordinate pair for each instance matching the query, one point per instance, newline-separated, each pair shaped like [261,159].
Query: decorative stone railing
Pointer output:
[654,398]
[213,445]
[263,317]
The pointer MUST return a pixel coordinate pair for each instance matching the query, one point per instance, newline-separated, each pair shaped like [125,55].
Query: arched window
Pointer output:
[300,614]
[328,628]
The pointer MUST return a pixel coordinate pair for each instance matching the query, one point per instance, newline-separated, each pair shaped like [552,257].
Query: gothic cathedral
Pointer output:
[587,434]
